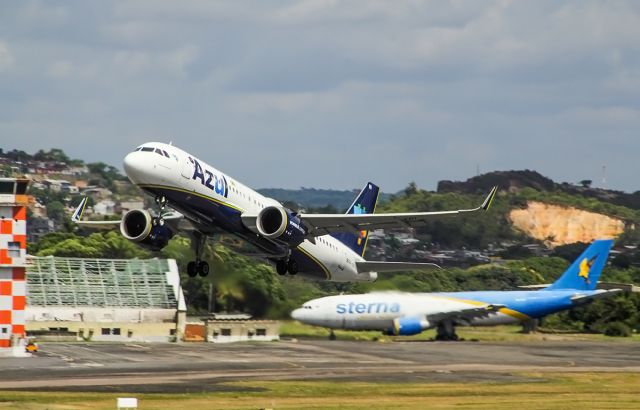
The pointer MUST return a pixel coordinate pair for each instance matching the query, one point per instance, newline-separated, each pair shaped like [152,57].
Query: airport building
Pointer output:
[104,299]
[227,328]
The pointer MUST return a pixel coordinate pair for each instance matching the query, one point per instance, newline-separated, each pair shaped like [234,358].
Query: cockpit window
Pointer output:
[165,153]
[138,149]
[147,149]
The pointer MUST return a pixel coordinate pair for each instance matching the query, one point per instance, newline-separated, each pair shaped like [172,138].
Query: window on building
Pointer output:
[106,331]
[115,331]
[172,332]
[14,249]
[225,332]
[261,332]
[6,187]
[21,188]
[4,330]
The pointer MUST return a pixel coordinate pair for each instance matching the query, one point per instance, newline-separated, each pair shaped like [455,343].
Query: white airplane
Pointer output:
[405,314]
[207,202]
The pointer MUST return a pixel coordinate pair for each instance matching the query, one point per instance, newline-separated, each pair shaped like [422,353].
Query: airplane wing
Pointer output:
[173,218]
[322,224]
[371,266]
[465,315]
[601,293]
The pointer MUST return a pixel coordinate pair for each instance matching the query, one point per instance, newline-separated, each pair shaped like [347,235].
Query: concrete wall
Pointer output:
[226,331]
[93,331]
[135,325]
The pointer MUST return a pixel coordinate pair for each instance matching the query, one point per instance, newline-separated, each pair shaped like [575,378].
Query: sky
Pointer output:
[331,94]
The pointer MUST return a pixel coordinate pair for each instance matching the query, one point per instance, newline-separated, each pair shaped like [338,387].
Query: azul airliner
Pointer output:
[398,313]
[206,202]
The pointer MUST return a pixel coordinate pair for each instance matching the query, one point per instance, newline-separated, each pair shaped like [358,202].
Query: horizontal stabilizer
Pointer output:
[580,299]
[369,266]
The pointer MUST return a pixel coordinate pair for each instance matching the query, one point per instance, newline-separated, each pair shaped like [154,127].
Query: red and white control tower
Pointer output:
[13,258]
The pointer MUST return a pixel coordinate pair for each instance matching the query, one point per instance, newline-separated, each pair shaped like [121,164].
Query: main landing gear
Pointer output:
[198,267]
[446,331]
[286,265]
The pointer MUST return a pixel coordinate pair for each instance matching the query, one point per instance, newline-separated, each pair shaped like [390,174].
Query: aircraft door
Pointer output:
[186,167]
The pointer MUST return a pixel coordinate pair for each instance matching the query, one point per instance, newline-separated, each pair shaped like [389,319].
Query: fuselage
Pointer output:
[214,202]
[378,310]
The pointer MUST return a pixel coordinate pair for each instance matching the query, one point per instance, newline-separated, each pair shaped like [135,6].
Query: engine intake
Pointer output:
[139,226]
[283,224]
[408,326]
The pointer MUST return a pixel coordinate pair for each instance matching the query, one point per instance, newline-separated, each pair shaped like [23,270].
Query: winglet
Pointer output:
[489,199]
[77,214]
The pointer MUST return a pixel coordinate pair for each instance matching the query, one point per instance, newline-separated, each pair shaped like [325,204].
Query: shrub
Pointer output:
[617,329]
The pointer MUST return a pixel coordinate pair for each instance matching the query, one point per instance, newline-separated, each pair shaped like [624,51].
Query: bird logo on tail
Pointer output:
[585,268]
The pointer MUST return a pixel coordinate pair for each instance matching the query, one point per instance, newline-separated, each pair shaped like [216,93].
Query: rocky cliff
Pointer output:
[559,225]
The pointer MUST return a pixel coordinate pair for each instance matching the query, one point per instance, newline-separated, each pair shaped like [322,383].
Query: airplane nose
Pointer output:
[129,163]
[136,168]
[297,314]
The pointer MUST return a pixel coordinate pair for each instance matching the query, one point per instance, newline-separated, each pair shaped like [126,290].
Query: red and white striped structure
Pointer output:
[13,255]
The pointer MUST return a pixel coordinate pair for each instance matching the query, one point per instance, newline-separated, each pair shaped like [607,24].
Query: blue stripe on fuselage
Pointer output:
[531,303]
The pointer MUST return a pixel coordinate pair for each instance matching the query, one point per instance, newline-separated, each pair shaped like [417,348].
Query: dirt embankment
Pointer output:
[560,225]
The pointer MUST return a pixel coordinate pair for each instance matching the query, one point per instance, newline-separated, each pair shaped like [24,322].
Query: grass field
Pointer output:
[540,391]
[488,334]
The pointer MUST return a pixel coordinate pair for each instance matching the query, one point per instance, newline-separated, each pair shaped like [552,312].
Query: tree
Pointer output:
[586,183]
[56,211]
[411,189]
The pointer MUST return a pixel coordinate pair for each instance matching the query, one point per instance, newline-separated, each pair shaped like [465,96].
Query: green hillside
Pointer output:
[239,283]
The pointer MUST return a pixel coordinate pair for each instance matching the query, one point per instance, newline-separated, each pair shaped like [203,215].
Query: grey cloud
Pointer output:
[330,94]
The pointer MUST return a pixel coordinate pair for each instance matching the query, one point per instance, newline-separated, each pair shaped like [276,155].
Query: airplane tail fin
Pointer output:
[77,214]
[584,272]
[365,203]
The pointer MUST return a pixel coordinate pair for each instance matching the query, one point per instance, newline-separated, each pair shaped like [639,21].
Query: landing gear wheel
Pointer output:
[292,267]
[281,267]
[446,331]
[332,336]
[203,268]
[192,270]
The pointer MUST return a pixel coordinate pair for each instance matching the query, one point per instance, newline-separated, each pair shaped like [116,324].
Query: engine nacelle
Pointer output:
[408,326]
[139,226]
[283,224]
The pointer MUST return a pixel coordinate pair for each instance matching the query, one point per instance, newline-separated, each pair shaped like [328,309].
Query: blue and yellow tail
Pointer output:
[365,203]
[584,272]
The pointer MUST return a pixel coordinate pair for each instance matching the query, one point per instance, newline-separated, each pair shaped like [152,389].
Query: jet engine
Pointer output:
[408,326]
[283,224]
[139,226]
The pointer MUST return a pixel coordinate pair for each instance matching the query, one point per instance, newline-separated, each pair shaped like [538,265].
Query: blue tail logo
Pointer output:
[365,203]
[584,272]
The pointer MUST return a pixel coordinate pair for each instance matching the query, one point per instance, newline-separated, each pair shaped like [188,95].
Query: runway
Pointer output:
[200,367]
